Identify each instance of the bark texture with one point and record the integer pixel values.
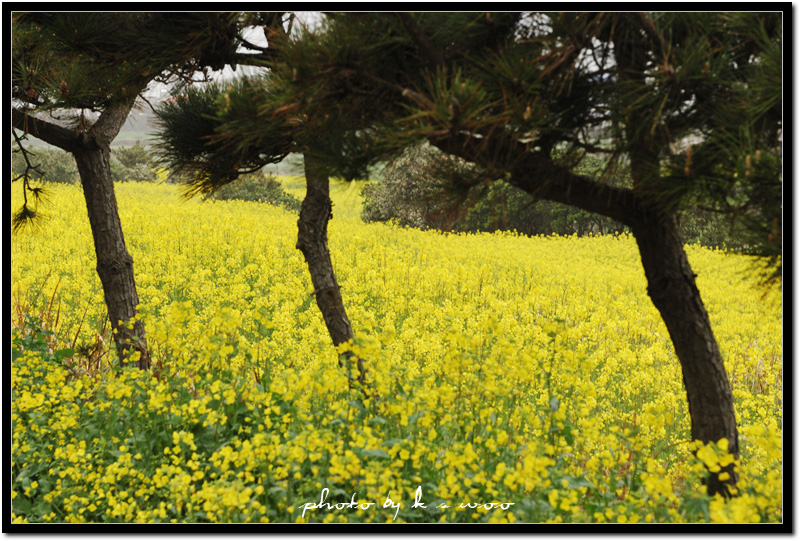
(672, 288)
(92, 153)
(312, 240)
(671, 283)
(114, 263)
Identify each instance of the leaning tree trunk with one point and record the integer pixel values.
(312, 240)
(114, 263)
(671, 283)
(672, 288)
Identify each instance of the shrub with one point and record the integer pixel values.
(709, 229)
(55, 164)
(414, 191)
(426, 189)
(133, 156)
(132, 163)
(258, 187)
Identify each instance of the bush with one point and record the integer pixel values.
(132, 163)
(55, 164)
(709, 229)
(258, 187)
(425, 189)
(134, 156)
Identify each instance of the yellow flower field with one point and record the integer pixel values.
(511, 378)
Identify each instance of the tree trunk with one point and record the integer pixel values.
(312, 240)
(671, 283)
(672, 288)
(114, 263)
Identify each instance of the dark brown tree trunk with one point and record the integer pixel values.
(92, 152)
(671, 283)
(312, 240)
(672, 288)
(670, 279)
(114, 263)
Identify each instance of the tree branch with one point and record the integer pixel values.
(111, 121)
(253, 46)
(590, 147)
(539, 176)
(101, 133)
(419, 37)
(244, 59)
(26, 154)
(536, 174)
(291, 23)
(651, 31)
(49, 132)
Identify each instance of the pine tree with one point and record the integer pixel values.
(213, 135)
(76, 77)
(690, 102)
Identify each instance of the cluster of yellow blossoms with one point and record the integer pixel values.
(510, 378)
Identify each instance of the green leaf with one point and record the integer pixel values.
(379, 453)
(391, 443)
(578, 482)
(21, 505)
(357, 404)
(567, 433)
(696, 506)
(62, 354)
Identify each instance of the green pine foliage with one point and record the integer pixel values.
(194, 130)
(695, 97)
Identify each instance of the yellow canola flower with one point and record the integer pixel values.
(497, 374)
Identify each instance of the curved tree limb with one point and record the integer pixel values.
(49, 132)
(536, 174)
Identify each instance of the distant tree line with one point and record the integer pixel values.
(55, 165)
(416, 191)
(138, 163)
